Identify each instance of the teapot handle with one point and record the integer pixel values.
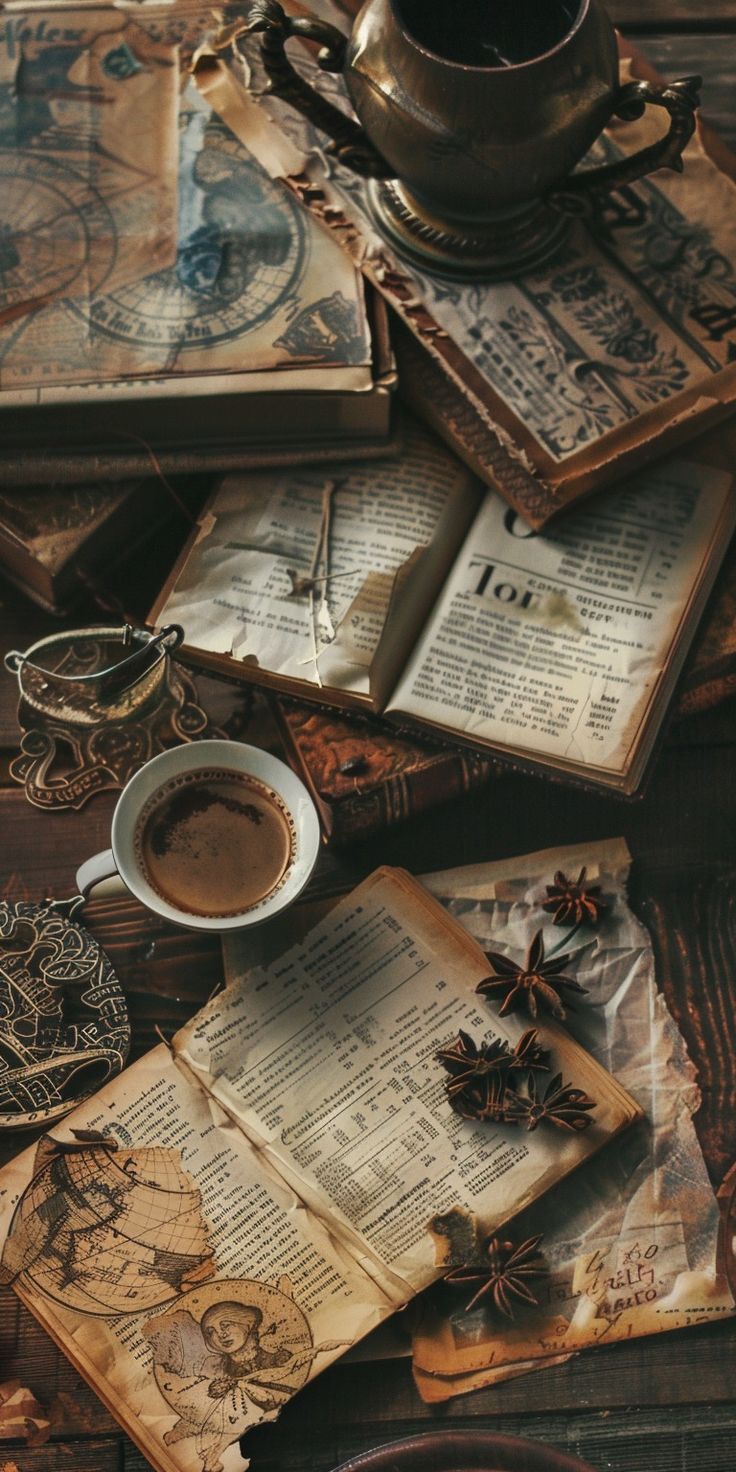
(583, 192)
(350, 144)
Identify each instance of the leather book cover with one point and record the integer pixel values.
(710, 674)
(364, 776)
(56, 539)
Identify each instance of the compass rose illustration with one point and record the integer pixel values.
(57, 234)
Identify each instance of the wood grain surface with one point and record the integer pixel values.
(662, 1405)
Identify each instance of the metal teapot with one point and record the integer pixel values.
(472, 118)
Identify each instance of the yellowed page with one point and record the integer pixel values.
(354, 530)
(554, 644)
(146, 239)
(187, 1284)
(327, 1060)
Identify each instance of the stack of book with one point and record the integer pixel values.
(435, 618)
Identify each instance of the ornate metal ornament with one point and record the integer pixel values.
(64, 1028)
(95, 705)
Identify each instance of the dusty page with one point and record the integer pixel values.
(553, 644)
(630, 1241)
(174, 251)
(185, 1282)
(327, 1060)
(295, 571)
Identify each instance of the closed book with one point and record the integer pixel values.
(55, 540)
(161, 296)
(365, 776)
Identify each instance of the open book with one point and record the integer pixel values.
(259, 1200)
(408, 589)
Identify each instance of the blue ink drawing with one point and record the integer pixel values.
(241, 255)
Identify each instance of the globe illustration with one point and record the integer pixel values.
(108, 1231)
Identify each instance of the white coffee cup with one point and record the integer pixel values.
(123, 859)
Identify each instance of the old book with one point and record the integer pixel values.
(562, 381)
(364, 775)
(55, 539)
(255, 1202)
(162, 294)
(408, 589)
(710, 674)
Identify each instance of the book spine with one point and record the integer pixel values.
(406, 794)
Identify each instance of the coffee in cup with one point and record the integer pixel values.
(215, 842)
(214, 835)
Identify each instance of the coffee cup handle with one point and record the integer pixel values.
(584, 192)
(100, 869)
(349, 144)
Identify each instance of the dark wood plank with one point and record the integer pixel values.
(692, 919)
(712, 56)
(100, 1455)
(645, 1373)
(627, 1441)
(671, 15)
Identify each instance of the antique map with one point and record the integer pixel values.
(139, 236)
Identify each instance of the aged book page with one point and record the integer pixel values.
(324, 577)
(326, 1059)
(87, 154)
(184, 1280)
(554, 645)
(631, 1242)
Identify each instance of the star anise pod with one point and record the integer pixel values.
(561, 1104)
(571, 901)
(503, 1276)
(536, 981)
(478, 1084)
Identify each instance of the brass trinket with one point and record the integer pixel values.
(95, 705)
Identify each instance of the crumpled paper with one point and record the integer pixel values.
(631, 1240)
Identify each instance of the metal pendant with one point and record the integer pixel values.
(92, 712)
(64, 1028)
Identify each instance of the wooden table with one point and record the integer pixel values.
(667, 1404)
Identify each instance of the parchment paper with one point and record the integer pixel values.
(631, 1240)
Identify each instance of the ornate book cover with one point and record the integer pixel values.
(562, 381)
(364, 776)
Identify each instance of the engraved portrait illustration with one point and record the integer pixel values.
(230, 1354)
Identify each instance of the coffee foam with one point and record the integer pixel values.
(190, 832)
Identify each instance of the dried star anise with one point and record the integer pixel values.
(503, 1275)
(478, 1086)
(561, 1104)
(571, 901)
(537, 980)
